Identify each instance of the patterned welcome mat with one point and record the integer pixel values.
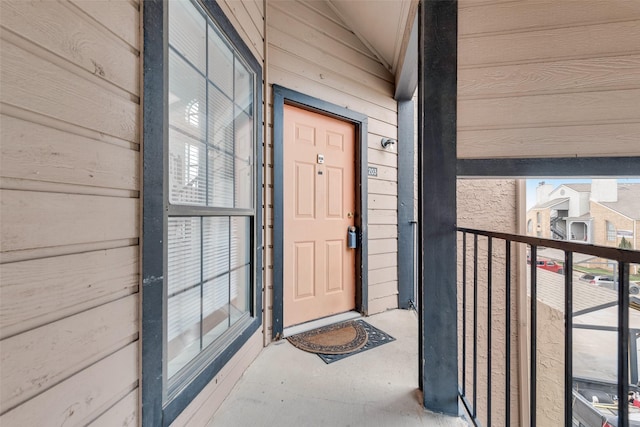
(335, 342)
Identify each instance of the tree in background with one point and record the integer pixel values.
(625, 244)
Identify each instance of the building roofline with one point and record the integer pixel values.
(548, 204)
(613, 210)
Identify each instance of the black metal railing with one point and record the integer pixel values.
(627, 357)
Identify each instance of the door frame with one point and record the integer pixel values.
(282, 96)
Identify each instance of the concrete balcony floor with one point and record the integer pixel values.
(286, 386)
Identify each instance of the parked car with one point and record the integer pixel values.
(608, 282)
(550, 265)
(598, 280)
(595, 404)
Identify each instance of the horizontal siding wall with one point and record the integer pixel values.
(547, 78)
(247, 17)
(69, 201)
(310, 50)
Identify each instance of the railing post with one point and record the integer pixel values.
(568, 337)
(633, 355)
(533, 336)
(464, 315)
(489, 341)
(507, 333)
(475, 326)
(437, 89)
(623, 344)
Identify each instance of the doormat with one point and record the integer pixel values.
(335, 342)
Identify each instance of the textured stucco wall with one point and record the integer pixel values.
(549, 365)
(489, 204)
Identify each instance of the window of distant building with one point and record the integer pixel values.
(611, 232)
(530, 226)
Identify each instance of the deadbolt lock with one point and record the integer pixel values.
(349, 214)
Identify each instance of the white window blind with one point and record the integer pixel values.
(211, 143)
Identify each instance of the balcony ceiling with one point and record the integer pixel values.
(384, 26)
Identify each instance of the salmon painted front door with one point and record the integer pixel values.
(319, 206)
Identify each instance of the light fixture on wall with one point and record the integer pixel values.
(387, 142)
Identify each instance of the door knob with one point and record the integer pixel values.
(349, 214)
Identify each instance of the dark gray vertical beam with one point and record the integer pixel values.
(153, 207)
(362, 219)
(278, 213)
(437, 77)
(406, 169)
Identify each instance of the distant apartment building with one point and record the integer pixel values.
(601, 213)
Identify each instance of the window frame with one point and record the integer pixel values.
(156, 411)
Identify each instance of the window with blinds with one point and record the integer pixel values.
(211, 196)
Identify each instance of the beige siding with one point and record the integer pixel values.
(69, 201)
(53, 288)
(310, 50)
(91, 47)
(66, 346)
(78, 219)
(77, 159)
(544, 78)
(83, 397)
(247, 18)
(124, 413)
